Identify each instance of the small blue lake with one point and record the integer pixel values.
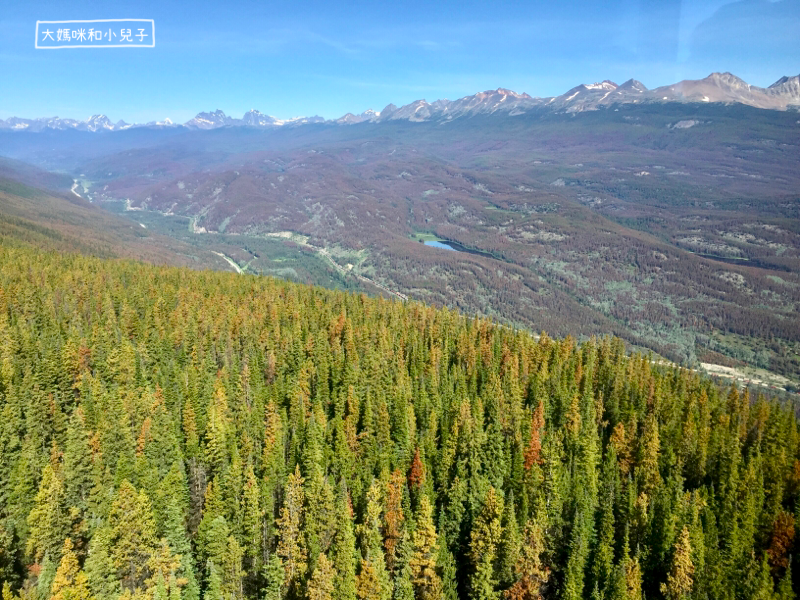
(455, 246)
(438, 244)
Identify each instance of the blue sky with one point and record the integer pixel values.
(294, 58)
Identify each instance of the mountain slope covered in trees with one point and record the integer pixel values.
(32, 216)
(674, 226)
(167, 433)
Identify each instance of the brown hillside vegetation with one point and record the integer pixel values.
(65, 222)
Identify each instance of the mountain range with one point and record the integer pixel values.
(716, 88)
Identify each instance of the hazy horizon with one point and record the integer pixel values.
(314, 59)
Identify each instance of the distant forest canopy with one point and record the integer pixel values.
(169, 434)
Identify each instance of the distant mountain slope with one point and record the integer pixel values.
(725, 87)
(717, 87)
(67, 223)
(660, 222)
(671, 224)
(33, 176)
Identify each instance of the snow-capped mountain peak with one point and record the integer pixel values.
(606, 86)
(632, 85)
(717, 87)
(787, 87)
(97, 122)
(255, 118)
(210, 120)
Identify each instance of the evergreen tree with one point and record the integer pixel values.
(486, 536)
(252, 519)
(424, 576)
(681, 576)
(394, 516)
(99, 566)
(70, 582)
(785, 591)
(510, 544)
(372, 582)
(49, 519)
(447, 567)
(291, 545)
(531, 573)
(321, 584)
(273, 578)
(343, 550)
(216, 590)
(132, 537)
(78, 467)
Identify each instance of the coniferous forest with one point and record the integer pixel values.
(169, 434)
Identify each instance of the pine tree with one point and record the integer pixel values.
(785, 591)
(510, 544)
(215, 543)
(603, 563)
(100, 567)
(218, 429)
(370, 585)
(447, 567)
(372, 582)
(343, 550)
(533, 453)
(403, 588)
(189, 424)
(7, 593)
(160, 590)
(426, 581)
(44, 582)
(233, 573)
(681, 576)
(175, 592)
(394, 516)
(70, 582)
(633, 578)
(648, 468)
(321, 584)
(49, 519)
(530, 570)
(273, 573)
(291, 544)
(133, 537)
(171, 508)
(252, 518)
(215, 590)
(782, 538)
(486, 536)
(759, 585)
(416, 474)
(78, 468)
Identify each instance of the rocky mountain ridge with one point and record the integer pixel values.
(717, 88)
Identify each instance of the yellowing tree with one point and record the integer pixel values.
(531, 573)
(320, 586)
(681, 577)
(427, 583)
(486, 534)
(133, 537)
(291, 545)
(70, 582)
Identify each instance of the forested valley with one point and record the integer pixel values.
(172, 434)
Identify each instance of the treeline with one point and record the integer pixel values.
(172, 434)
